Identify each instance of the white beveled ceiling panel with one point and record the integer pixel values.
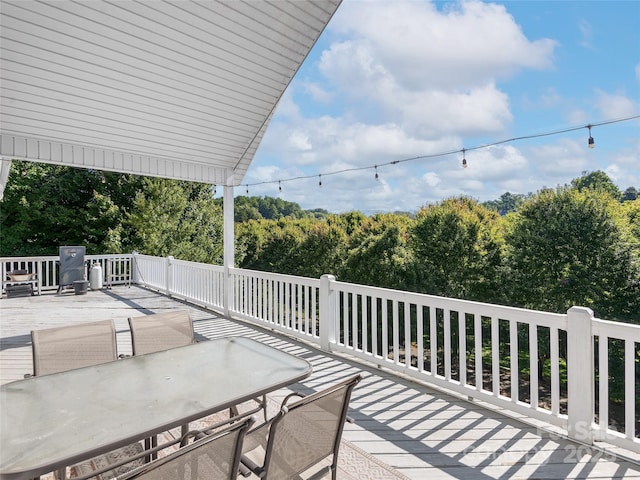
(180, 89)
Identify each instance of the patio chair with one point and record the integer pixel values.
(68, 347)
(301, 435)
(213, 457)
(161, 331)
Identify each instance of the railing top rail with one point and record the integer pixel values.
(557, 320)
(628, 331)
(195, 264)
(280, 276)
(56, 257)
(29, 259)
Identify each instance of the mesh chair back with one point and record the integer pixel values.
(308, 431)
(215, 457)
(73, 346)
(161, 331)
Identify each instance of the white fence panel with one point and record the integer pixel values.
(282, 302)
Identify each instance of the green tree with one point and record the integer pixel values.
(573, 246)
(507, 203)
(305, 247)
(46, 206)
(597, 180)
(177, 218)
(457, 247)
(630, 194)
(379, 253)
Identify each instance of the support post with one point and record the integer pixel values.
(580, 374)
(327, 319)
(229, 248)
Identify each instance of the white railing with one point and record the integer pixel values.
(612, 338)
(116, 269)
(546, 366)
(533, 363)
(478, 350)
(282, 302)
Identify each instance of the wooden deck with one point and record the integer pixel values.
(422, 432)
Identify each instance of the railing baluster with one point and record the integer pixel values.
(477, 348)
(420, 336)
(407, 334)
(385, 329)
(603, 387)
(495, 356)
(365, 324)
(533, 365)
(433, 341)
(555, 371)
(513, 357)
(447, 344)
(396, 332)
(630, 389)
(462, 348)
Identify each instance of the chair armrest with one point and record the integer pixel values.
(291, 395)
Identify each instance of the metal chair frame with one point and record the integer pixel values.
(68, 347)
(271, 428)
(161, 331)
(200, 446)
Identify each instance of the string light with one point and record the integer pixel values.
(247, 189)
(214, 188)
(320, 180)
(463, 151)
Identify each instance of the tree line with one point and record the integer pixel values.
(577, 244)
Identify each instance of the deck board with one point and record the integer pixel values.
(421, 431)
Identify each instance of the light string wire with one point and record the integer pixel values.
(435, 155)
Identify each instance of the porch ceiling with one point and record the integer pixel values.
(177, 89)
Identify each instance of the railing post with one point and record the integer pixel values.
(169, 286)
(580, 374)
(133, 268)
(327, 327)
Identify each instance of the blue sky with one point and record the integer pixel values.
(391, 81)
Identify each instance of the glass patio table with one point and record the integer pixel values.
(53, 421)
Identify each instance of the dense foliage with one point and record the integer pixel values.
(575, 245)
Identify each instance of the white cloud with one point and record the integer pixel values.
(317, 92)
(431, 71)
(614, 106)
(402, 80)
(469, 44)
